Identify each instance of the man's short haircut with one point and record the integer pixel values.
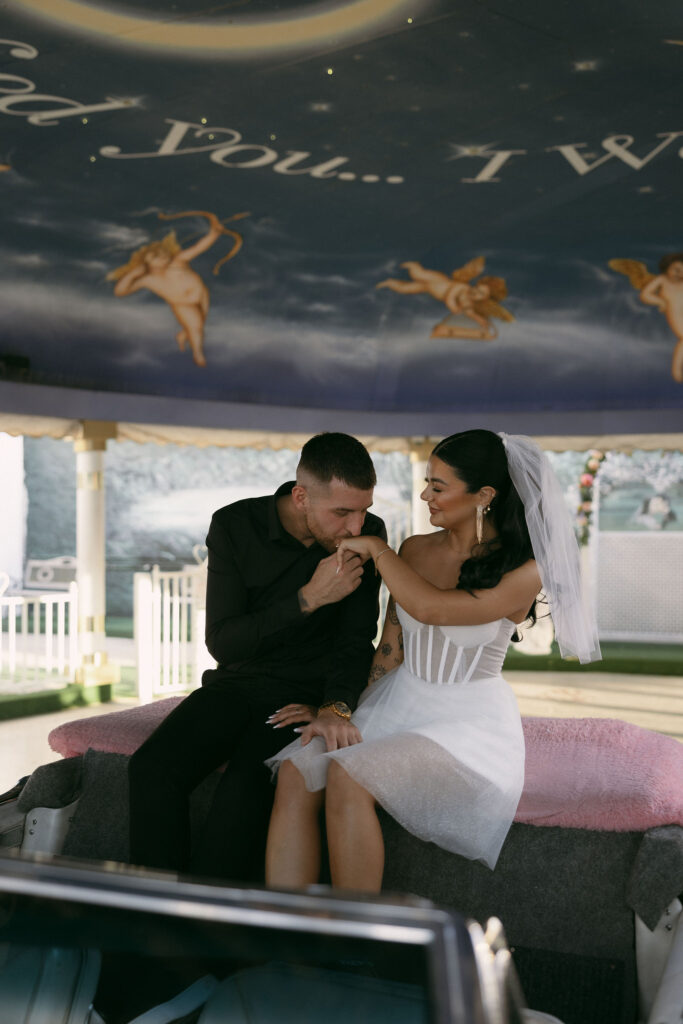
(331, 456)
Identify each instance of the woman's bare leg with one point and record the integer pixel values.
(293, 850)
(354, 836)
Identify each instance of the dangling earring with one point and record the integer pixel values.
(481, 512)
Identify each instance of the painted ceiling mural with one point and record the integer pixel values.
(394, 206)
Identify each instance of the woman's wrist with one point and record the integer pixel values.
(376, 557)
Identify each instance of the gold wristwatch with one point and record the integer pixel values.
(339, 707)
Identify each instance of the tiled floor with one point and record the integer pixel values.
(653, 702)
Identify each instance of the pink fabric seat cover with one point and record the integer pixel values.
(590, 773)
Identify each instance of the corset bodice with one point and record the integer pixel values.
(454, 654)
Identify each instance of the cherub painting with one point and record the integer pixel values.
(663, 290)
(163, 267)
(463, 297)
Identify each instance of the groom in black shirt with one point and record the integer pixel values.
(293, 641)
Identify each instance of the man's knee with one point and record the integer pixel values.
(153, 765)
(142, 765)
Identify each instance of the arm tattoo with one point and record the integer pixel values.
(303, 603)
(400, 641)
(386, 650)
(376, 672)
(391, 613)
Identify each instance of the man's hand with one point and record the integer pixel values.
(334, 730)
(364, 547)
(327, 585)
(290, 714)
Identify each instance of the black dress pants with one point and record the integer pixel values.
(221, 721)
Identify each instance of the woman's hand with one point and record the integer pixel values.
(366, 547)
(290, 714)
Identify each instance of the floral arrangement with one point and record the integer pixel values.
(586, 481)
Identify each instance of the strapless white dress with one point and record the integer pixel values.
(443, 747)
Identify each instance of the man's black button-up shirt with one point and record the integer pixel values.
(255, 628)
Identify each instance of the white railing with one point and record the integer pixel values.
(38, 638)
(168, 626)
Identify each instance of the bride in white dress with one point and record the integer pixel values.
(438, 740)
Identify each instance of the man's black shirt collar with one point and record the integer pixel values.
(276, 531)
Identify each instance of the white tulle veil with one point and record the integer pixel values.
(555, 547)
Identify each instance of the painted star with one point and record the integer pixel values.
(458, 151)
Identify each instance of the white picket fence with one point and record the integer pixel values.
(38, 638)
(168, 625)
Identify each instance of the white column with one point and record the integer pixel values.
(91, 554)
(419, 454)
(13, 510)
(590, 557)
(145, 636)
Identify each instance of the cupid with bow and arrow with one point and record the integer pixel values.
(163, 267)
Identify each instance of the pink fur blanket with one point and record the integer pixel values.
(590, 773)
(600, 773)
(119, 732)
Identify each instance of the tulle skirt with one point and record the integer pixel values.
(446, 761)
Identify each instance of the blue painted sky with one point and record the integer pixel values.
(405, 134)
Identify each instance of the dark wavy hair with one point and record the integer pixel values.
(477, 457)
